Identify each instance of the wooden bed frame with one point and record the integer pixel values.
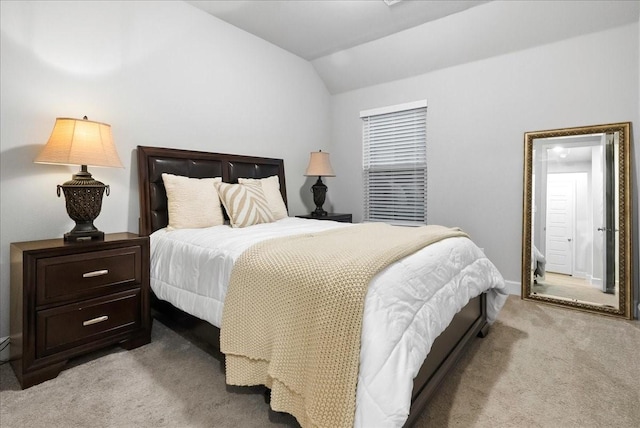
(153, 161)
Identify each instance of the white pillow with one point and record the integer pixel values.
(271, 189)
(192, 202)
(245, 204)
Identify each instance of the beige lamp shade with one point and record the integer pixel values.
(319, 165)
(80, 142)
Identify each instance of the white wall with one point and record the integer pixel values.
(162, 74)
(477, 116)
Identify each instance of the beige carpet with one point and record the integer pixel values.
(540, 366)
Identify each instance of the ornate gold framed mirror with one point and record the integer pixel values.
(576, 228)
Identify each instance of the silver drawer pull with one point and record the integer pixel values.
(95, 273)
(95, 320)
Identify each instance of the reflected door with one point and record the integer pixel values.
(559, 236)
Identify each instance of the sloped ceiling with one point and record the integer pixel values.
(355, 44)
(314, 28)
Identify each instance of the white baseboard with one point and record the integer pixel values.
(594, 282)
(513, 287)
(4, 354)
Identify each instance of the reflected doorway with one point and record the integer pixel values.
(572, 226)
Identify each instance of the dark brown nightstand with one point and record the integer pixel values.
(343, 218)
(71, 298)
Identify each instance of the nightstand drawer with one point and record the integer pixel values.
(79, 323)
(85, 275)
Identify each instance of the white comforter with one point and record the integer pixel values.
(407, 305)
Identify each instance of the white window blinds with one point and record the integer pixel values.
(395, 164)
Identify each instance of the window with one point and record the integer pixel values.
(395, 164)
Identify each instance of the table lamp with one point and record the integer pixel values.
(319, 166)
(81, 142)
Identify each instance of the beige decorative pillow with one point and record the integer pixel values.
(192, 202)
(271, 189)
(245, 204)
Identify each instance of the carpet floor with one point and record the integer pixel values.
(540, 366)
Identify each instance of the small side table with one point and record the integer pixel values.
(343, 218)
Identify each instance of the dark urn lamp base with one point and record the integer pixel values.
(83, 196)
(319, 194)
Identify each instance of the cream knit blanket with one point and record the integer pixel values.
(292, 317)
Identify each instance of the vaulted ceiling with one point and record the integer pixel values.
(358, 43)
(313, 29)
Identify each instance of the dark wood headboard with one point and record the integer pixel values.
(153, 161)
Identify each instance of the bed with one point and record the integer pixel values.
(466, 322)
(538, 263)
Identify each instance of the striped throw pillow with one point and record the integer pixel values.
(246, 204)
(271, 189)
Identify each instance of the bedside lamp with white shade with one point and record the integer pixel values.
(81, 142)
(320, 166)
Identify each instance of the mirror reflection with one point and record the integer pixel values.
(575, 186)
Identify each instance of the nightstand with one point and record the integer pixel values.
(343, 218)
(71, 298)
